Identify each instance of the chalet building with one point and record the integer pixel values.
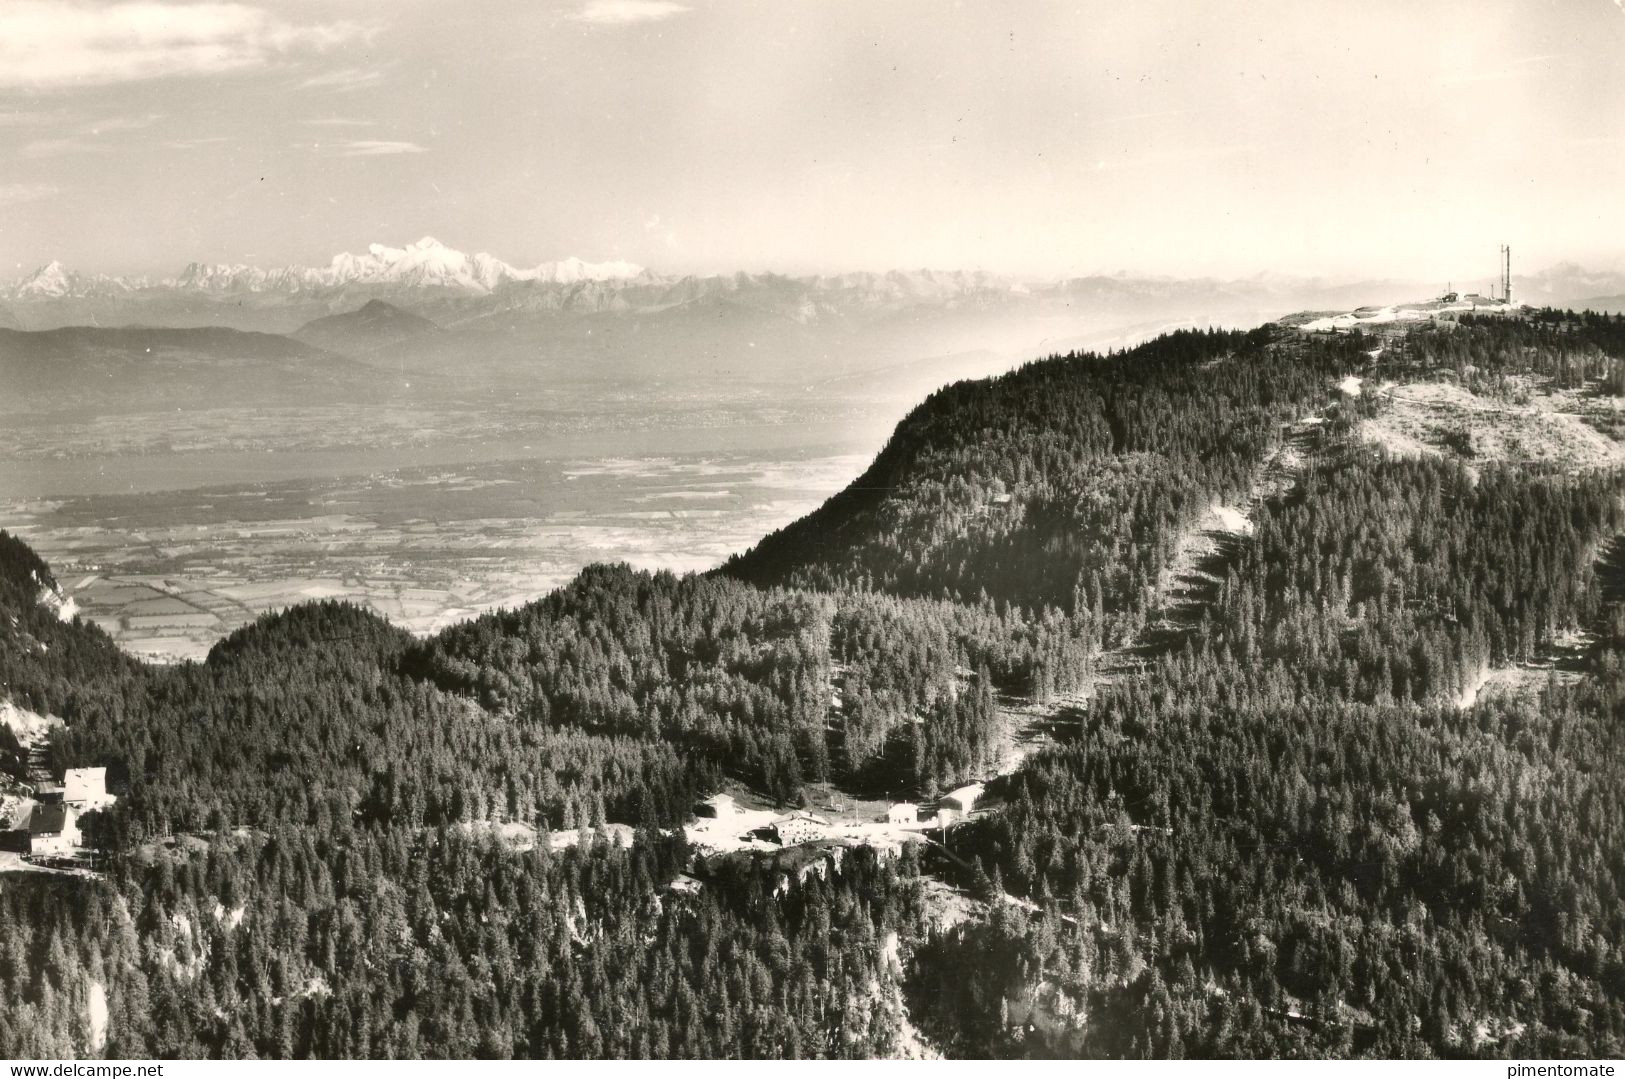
(53, 830)
(799, 828)
(903, 813)
(965, 798)
(719, 806)
(683, 884)
(86, 789)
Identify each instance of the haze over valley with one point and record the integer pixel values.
(434, 434)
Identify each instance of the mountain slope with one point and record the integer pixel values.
(1059, 484)
(133, 368)
(376, 324)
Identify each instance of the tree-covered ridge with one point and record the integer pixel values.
(1571, 348)
(1062, 484)
(48, 665)
(747, 679)
(623, 697)
(738, 673)
(307, 716)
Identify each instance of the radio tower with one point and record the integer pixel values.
(1506, 274)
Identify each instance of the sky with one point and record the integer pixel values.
(1205, 137)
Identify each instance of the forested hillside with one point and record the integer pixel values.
(1062, 484)
(1287, 836)
(1287, 819)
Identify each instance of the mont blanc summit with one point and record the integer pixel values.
(430, 263)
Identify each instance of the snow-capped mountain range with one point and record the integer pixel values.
(428, 263)
(54, 281)
(455, 289)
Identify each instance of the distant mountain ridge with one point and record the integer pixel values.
(451, 287)
(375, 324)
(428, 263)
(138, 368)
(899, 333)
(54, 281)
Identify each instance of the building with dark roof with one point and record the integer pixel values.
(53, 829)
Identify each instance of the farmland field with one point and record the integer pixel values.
(170, 547)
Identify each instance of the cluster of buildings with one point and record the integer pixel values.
(805, 826)
(801, 826)
(53, 825)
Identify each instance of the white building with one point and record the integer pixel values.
(685, 885)
(800, 828)
(53, 829)
(86, 789)
(718, 805)
(903, 813)
(965, 798)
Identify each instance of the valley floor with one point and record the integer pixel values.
(168, 574)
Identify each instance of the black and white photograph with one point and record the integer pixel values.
(885, 530)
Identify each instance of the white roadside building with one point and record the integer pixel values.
(53, 830)
(964, 799)
(86, 789)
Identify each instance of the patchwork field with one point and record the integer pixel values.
(169, 573)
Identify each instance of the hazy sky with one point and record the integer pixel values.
(1402, 139)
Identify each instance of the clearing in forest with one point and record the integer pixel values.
(1532, 423)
